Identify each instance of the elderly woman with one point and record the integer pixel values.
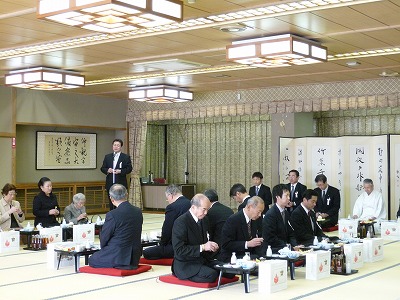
(45, 205)
(76, 212)
(11, 214)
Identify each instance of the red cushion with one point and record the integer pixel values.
(299, 263)
(113, 271)
(174, 280)
(329, 229)
(160, 262)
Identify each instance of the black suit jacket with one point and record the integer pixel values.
(172, 212)
(329, 205)
(264, 193)
(244, 203)
(235, 234)
(303, 229)
(276, 233)
(297, 194)
(398, 212)
(120, 239)
(217, 216)
(124, 164)
(186, 240)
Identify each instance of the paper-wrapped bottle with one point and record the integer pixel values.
(98, 221)
(63, 224)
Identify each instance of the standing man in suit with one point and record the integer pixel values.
(296, 190)
(239, 233)
(239, 193)
(304, 222)
(178, 205)
(328, 203)
(261, 190)
(120, 237)
(217, 216)
(192, 249)
(116, 166)
(277, 232)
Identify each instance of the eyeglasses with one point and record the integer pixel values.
(12, 194)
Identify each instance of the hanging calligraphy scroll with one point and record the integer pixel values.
(65, 150)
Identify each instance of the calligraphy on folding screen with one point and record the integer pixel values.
(346, 161)
(65, 150)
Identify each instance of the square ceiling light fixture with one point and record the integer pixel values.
(276, 51)
(42, 78)
(160, 94)
(111, 16)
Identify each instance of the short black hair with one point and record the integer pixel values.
(118, 140)
(211, 195)
(237, 187)
(295, 171)
(257, 174)
(320, 177)
(368, 181)
(309, 193)
(42, 181)
(278, 190)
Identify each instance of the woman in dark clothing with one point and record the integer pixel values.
(45, 205)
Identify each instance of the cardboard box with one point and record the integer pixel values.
(318, 265)
(83, 233)
(52, 257)
(373, 249)
(53, 233)
(347, 228)
(272, 276)
(355, 255)
(390, 230)
(9, 241)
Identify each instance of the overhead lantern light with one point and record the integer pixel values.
(276, 51)
(111, 16)
(160, 94)
(42, 78)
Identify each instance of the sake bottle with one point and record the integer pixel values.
(269, 251)
(315, 242)
(233, 258)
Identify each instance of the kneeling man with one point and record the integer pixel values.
(192, 249)
(120, 237)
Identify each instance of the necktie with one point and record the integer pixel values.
(249, 229)
(292, 193)
(257, 189)
(323, 196)
(311, 220)
(283, 216)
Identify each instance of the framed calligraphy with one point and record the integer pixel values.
(65, 150)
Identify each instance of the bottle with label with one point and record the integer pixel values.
(343, 255)
(233, 258)
(315, 242)
(269, 251)
(368, 235)
(246, 256)
(339, 264)
(333, 264)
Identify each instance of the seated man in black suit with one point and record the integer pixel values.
(261, 190)
(328, 203)
(304, 222)
(239, 193)
(178, 205)
(217, 216)
(192, 249)
(296, 190)
(277, 232)
(120, 237)
(239, 233)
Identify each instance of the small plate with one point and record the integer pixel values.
(275, 255)
(282, 256)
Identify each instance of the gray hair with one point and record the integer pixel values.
(173, 190)
(254, 201)
(118, 192)
(196, 200)
(79, 198)
(368, 181)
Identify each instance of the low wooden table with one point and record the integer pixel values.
(245, 274)
(28, 235)
(76, 255)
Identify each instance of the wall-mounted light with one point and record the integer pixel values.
(160, 94)
(111, 16)
(276, 51)
(42, 78)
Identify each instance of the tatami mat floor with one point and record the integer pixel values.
(24, 275)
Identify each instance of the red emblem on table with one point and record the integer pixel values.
(51, 239)
(387, 232)
(84, 234)
(276, 278)
(321, 267)
(344, 229)
(7, 243)
(355, 258)
(376, 251)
